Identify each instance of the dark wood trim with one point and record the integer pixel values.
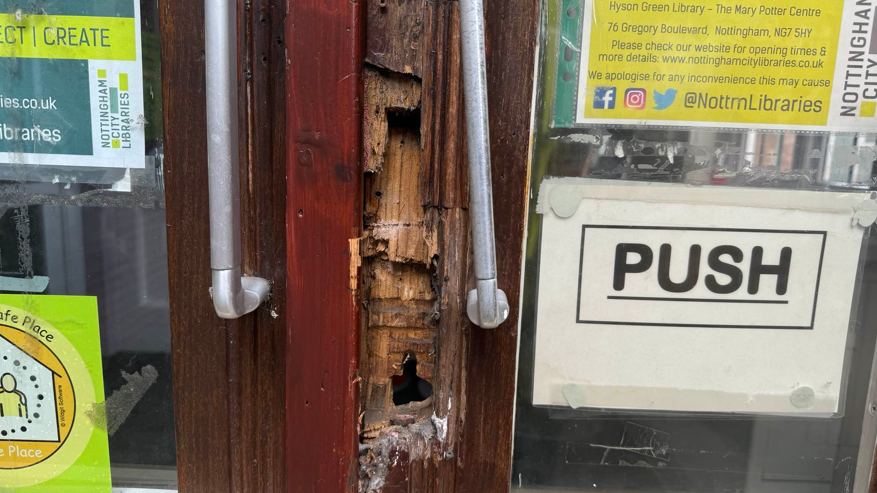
(325, 49)
(228, 375)
(263, 180)
(485, 454)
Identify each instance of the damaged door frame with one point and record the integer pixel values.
(417, 268)
(379, 250)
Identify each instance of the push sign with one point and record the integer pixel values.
(748, 278)
(698, 299)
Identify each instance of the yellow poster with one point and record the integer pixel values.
(51, 388)
(807, 64)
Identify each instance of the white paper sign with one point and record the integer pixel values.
(712, 299)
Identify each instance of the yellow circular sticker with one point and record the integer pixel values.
(45, 389)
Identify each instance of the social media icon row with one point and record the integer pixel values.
(634, 98)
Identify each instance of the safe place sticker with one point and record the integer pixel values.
(775, 64)
(71, 90)
(51, 383)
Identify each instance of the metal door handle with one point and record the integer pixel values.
(233, 295)
(487, 305)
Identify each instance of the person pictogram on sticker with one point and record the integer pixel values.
(13, 403)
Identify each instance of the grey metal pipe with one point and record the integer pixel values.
(233, 295)
(487, 305)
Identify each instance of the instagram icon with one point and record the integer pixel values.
(635, 99)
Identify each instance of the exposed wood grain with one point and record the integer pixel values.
(325, 42)
(393, 213)
(475, 370)
(450, 395)
(394, 33)
(384, 93)
(399, 281)
(445, 181)
(228, 376)
(398, 274)
(443, 194)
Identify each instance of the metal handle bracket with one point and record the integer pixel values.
(233, 295)
(487, 305)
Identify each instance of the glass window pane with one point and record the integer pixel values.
(82, 215)
(657, 354)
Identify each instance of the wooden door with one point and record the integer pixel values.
(355, 193)
(228, 375)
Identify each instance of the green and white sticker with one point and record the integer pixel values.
(71, 93)
(53, 436)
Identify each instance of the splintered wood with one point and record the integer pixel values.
(397, 249)
(415, 247)
(384, 94)
(394, 217)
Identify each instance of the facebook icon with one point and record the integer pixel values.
(604, 98)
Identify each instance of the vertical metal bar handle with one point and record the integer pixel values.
(233, 295)
(487, 305)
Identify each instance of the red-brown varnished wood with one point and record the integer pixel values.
(324, 42)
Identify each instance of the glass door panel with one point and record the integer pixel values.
(83, 250)
(645, 365)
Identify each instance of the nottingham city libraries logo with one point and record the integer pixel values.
(114, 120)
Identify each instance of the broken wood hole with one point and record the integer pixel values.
(408, 387)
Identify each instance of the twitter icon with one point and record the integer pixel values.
(665, 100)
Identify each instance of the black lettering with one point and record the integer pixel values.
(715, 262)
(664, 270)
(622, 268)
(757, 269)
